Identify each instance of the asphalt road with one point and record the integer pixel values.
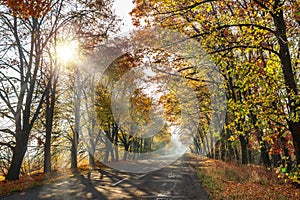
(177, 181)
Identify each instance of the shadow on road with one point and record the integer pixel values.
(176, 181)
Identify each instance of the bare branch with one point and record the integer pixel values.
(7, 131)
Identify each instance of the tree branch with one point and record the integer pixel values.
(6, 130)
(244, 46)
(8, 144)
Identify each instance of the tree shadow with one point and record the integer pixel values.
(116, 181)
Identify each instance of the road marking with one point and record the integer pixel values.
(141, 176)
(119, 182)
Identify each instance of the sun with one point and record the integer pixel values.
(67, 51)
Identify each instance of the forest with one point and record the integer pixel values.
(218, 79)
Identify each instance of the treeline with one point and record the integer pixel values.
(39, 116)
(56, 110)
(56, 113)
(256, 45)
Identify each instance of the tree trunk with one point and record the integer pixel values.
(91, 117)
(250, 157)
(74, 155)
(276, 159)
(287, 160)
(264, 151)
(126, 143)
(18, 156)
(74, 146)
(47, 151)
(77, 104)
(50, 104)
(115, 130)
(126, 147)
(230, 155)
(223, 150)
(264, 155)
(25, 114)
(92, 149)
(236, 153)
(243, 142)
(289, 79)
(92, 160)
(108, 146)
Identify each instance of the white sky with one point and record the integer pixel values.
(122, 8)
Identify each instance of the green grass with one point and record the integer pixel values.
(209, 183)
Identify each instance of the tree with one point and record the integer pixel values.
(231, 30)
(22, 101)
(52, 76)
(27, 29)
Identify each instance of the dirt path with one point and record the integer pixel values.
(177, 181)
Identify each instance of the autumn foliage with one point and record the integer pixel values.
(28, 8)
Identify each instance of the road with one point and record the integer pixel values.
(177, 181)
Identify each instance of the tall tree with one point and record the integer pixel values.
(27, 27)
(237, 27)
(22, 29)
(50, 104)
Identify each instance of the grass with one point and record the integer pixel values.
(229, 181)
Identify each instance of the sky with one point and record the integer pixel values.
(122, 8)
